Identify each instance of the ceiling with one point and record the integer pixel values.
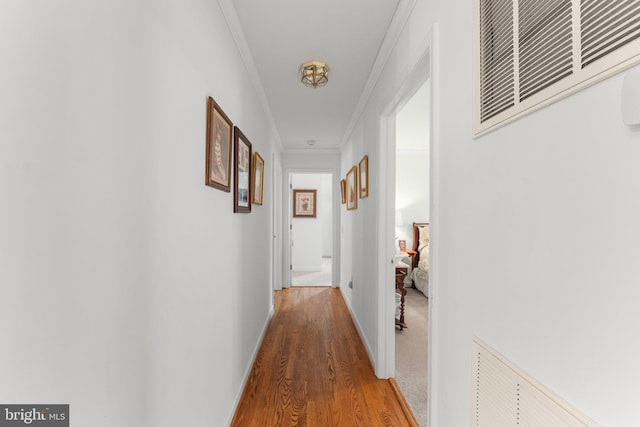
(279, 35)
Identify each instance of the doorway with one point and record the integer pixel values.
(412, 207)
(423, 72)
(311, 229)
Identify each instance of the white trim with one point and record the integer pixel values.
(247, 371)
(276, 221)
(233, 22)
(363, 337)
(417, 76)
(335, 218)
(424, 71)
(398, 22)
(310, 151)
(433, 373)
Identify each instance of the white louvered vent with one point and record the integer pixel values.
(504, 396)
(530, 53)
(606, 26)
(496, 56)
(545, 44)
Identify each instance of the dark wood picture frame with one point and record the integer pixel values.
(304, 203)
(343, 191)
(218, 151)
(364, 177)
(242, 173)
(352, 189)
(258, 178)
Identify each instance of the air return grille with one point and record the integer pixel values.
(606, 26)
(496, 56)
(545, 44)
(504, 396)
(530, 53)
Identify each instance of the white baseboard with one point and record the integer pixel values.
(247, 372)
(359, 329)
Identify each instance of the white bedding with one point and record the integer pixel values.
(420, 275)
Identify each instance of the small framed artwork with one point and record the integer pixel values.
(364, 177)
(258, 178)
(343, 191)
(352, 188)
(242, 173)
(219, 135)
(304, 203)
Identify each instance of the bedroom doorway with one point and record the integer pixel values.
(311, 229)
(412, 208)
(391, 224)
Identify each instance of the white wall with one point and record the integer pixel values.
(536, 248)
(124, 278)
(412, 163)
(72, 125)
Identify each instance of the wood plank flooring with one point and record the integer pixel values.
(313, 370)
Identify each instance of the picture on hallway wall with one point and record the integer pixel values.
(218, 152)
(304, 203)
(343, 191)
(258, 178)
(352, 188)
(242, 173)
(364, 177)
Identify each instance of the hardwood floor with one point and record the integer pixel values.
(313, 370)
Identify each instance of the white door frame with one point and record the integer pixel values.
(424, 70)
(335, 218)
(276, 244)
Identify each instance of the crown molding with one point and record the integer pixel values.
(398, 22)
(311, 151)
(233, 22)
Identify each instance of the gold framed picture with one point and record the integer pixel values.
(304, 203)
(219, 136)
(242, 173)
(352, 188)
(343, 191)
(258, 178)
(364, 177)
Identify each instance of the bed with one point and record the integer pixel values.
(420, 262)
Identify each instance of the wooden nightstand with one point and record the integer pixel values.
(401, 273)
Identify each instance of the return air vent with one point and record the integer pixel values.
(530, 53)
(606, 26)
(545, 44)
(496, 57)
(504, 396)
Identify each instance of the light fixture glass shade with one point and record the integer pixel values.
(314, 74)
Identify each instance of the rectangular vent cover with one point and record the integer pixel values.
(529, 53)
(504, 396)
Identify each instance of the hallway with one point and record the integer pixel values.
(313, 370)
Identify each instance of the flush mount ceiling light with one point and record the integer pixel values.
(314, 74)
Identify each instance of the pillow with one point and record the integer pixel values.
(423, 237)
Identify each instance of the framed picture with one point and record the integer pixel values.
(219, 135)
(304, 203)
(364, 177)
(352, 187)
(242, 173)
(258, 178)
(343, 191)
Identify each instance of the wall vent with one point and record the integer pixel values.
(530, 53)
(504, 396)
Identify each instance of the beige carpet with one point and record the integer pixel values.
(411, 354)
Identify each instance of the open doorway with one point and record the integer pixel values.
(412, 248)
(311, 229)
